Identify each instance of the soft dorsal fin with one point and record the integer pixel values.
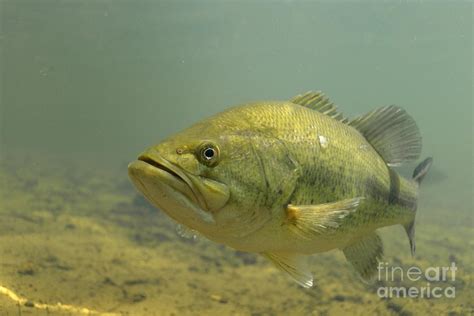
(392, 132)
(319, 102)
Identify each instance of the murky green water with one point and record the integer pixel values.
(87, 85)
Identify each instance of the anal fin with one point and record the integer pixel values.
(294, 265)
(364, 255)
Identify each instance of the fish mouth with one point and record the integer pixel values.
(160, 180)
(174, 176)
(161, 166)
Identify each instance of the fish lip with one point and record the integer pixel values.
(161, 163)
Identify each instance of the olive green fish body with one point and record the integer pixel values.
(289, 178)
(329, 161)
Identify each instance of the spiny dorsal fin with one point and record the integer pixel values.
(392, 132)
(319, 102)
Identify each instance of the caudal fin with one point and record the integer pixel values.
(418, 175)
(422, 169)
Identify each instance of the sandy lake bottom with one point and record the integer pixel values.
(82, 237)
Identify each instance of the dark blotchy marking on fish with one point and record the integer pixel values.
(263, 172)
(393, 196)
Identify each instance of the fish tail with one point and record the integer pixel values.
(422, 170)
(418, 175)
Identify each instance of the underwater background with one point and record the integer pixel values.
(86, 86)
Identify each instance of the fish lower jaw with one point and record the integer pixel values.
(172, 196)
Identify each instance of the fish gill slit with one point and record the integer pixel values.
(262, 171)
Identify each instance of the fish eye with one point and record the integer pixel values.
(209, 154)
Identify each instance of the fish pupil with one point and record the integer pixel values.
(209, 153)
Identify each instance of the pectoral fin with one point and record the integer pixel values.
(309, 221)
(294, 265)
(364, 255)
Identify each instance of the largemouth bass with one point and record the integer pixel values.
(288, 179)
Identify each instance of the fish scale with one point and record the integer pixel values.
(337, 172)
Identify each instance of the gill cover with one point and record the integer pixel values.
(214, 194)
